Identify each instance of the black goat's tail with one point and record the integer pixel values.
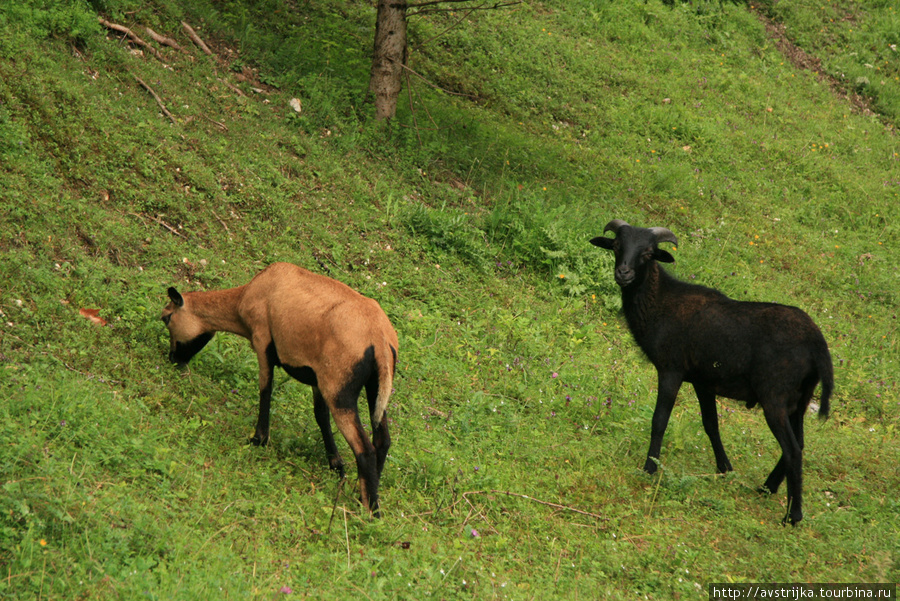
(826, 374)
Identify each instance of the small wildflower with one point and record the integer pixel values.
(554, 375)
(474, 533)
(286, 590)
(43, 543)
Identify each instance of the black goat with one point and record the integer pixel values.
(764, 353)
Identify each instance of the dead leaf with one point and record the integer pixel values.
(93, 315)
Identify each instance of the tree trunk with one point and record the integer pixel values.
(389, 57)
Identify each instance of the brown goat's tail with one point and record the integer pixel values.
(384, 362)
(826, 374)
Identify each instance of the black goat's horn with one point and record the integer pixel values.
(664, 235)
(613, 226)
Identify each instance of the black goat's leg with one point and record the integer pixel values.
(778, 472)
(775, 478)
(709, 413)
(669, 383)
(323, 418)
(791, 463)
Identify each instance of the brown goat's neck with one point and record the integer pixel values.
(219, 310)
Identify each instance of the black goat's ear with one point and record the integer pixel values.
(603, 242)
(176, 297)
(663, 256)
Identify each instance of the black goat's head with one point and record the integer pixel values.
(635, 248)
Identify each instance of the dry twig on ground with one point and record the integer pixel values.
(158, 99)
(196, 39)
(131, 35)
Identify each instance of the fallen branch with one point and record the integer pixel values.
(224, 128)
(547, 503)
(131, 35)
(161, 222)
(161, 39)
(232, 87)
(196, 39)
(158, 99)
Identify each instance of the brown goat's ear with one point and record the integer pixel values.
(663, 256)
(176, 297)
(603, 242)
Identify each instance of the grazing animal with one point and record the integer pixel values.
(321, 332)
(764, 353)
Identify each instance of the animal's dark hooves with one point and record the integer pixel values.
(338, 467)
(259, 442)
(764, 490)
(789, 520)
(650, 467)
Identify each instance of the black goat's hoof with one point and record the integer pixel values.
(764, 490)
(337, 466)
(651, 466)
(790, 520)
(259, 442)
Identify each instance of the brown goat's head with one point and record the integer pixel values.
(635, 248)
(187, 332)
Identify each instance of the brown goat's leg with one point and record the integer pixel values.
(348, 423)
(791, 459)
(266, 369)
(669, 383)
(323, 418)
(381, 437)
(709, 413)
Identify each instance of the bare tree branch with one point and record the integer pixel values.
(196, 38)
(161, 39)
(452, 26)
(431, 11)
(131, 35)
(437, 87)
(158, 100)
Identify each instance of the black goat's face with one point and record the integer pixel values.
(186, 332)
(635, 248)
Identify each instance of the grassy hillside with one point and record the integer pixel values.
(522, 406)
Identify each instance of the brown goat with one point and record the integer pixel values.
(321, 332)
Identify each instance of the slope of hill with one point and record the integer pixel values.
(522, 406)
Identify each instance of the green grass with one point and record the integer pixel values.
(522, 406)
